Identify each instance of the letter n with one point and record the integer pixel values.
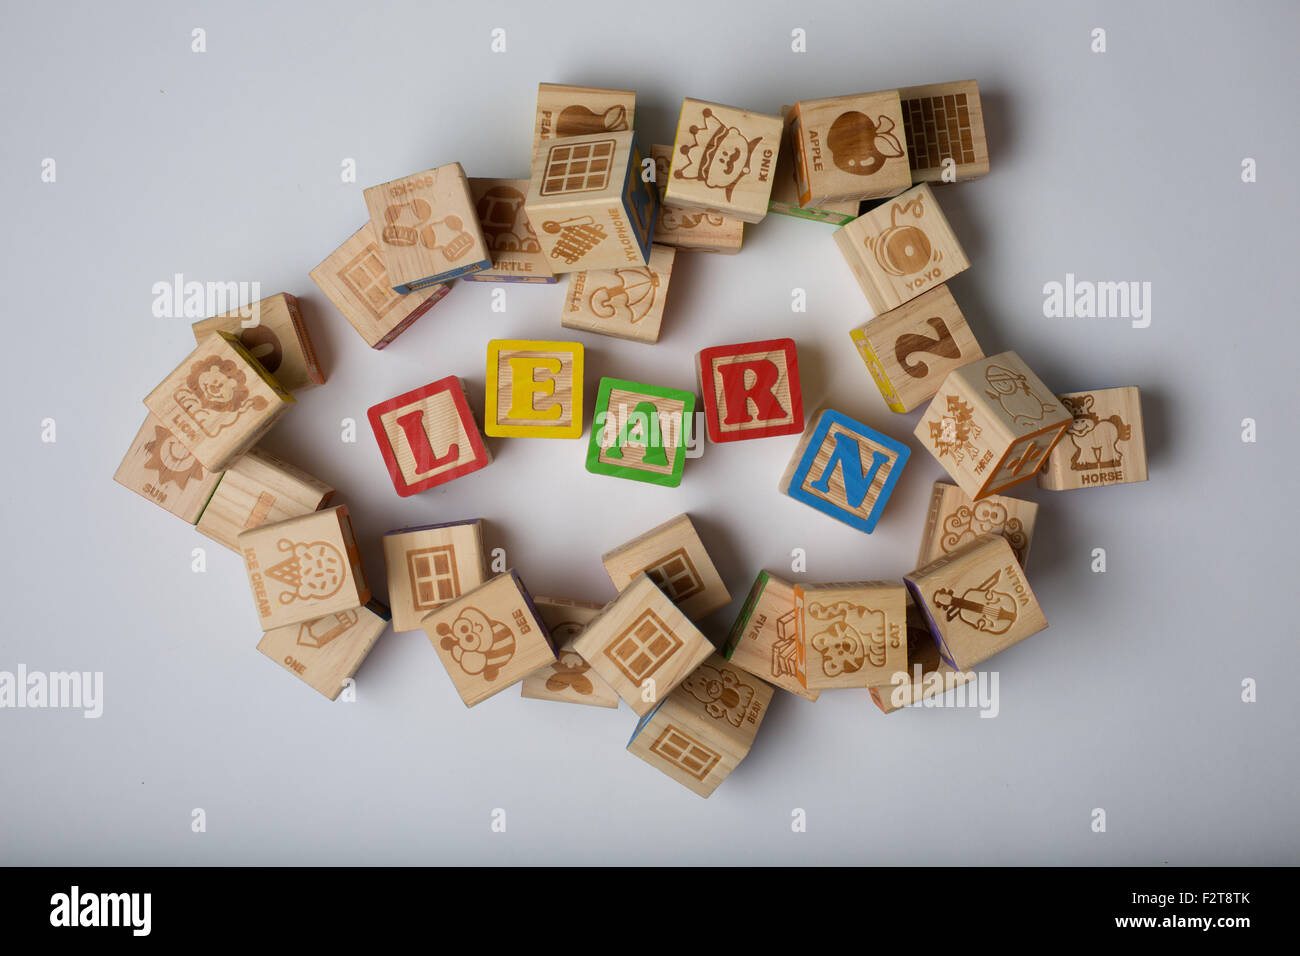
(847, 456)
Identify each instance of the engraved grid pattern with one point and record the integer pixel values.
(578, 167)
(641, 650)
(938, 127)
(368, 279)
(433, 576)
(681, 749)
(676, 576)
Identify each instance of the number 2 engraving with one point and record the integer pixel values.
(910, 343)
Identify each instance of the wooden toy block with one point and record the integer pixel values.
(534, 389)
(992, 424)
(327, 651)
(704, 728)
(1104, 445)
(724, 159)
(570, 680)
(844, 469)
(901, 248)
(429, 565)
(428, 436)
(589, 204)
(674, 558)
(273, 332)
(785, 189)
(304, 568)
(911, 349)
(516, 253)
(219, 402)
(627, 303)
(427, 227)
(928, 676)
(260, 489)
(581, 111)
(750, 390)
(639, 432)
(848, 148)
(692, 229)
(642, 645)
(159, 467)
(765, 636)
(490, 638)
(945, 132)
(977, 601)
(953, 521)
(353, 277)
(849, 635)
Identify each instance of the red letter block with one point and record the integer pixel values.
(751, 390)
(428, 436)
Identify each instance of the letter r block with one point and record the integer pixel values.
(534, 389)
(428, 436)
(751, 390)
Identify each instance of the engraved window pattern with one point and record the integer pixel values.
(368, 279)
(640, 650)
(938, 127)
(433, 576)
(578, 167)
(676, 576)
(685, 752)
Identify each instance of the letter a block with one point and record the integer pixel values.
(844, 469)
(534, 389)
(639, 432)
(428, 436)
(751, 390)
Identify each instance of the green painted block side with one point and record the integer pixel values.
(746, 612)
(677, 452)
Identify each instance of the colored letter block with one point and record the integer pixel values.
(639, 432)
(428, 436)
(489, 638)
(844, 469)
(692, 229)
(273, 332)
(675, 559)
(353, 277)
(945, 132)
(588, 203)
(977, 601)
(751, 390)
(724, 160)
(516, 253)
(705, 727)
(627, 303)
(911, 349)
(927, 675)
(785, 189)
(534, 389)
(427, 228)
(219, 402)
(570, 680)
(580, 111)
(1105, 443)
(304, 568)
(953, 521)
(327, 651)
(848, 148)
(260, 489)
(850, 635)
(159, 467)
(764, 640)
(992, 424)
(901, 248)
(428, 566)
(642, 645)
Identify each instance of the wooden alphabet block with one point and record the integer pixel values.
(693, 229)
(785, 189)
(304, 568)
(428, 436)
(219, 402)
(429, 565)
(764, 640)
(327, 651)
(159, 467)
(581, 111)
(570, 680)
(273, 332)
(945, 132)
(724, 159)
(427, 227)
(674, 558)
(353, 277)
(642, 645)
(639, 432)
(705, 727)
(911, 349)
(627, 303)
(953, 521)
(589, 204)
(516, 252)
(849, 148)
(901, 248)
(850, 635)
(260, 489)
(534, 389)
(928, 675)
(490, 638)
(750, 390)
(1104, 445)
(844, 469)
(992, 424)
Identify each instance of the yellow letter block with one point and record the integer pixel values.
(534, 389)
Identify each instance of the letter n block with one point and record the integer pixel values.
(428, 436)
(751, 390)
(844, 469)
(534, 389)
(639, 432)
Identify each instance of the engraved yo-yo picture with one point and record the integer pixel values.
(904, 248)
(861, 145)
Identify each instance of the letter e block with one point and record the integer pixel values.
(428, 436)
(534, 389)
(751, 390)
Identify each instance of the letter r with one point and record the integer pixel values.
(761, 391)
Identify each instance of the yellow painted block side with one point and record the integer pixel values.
(877, 371)
(506, 405)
